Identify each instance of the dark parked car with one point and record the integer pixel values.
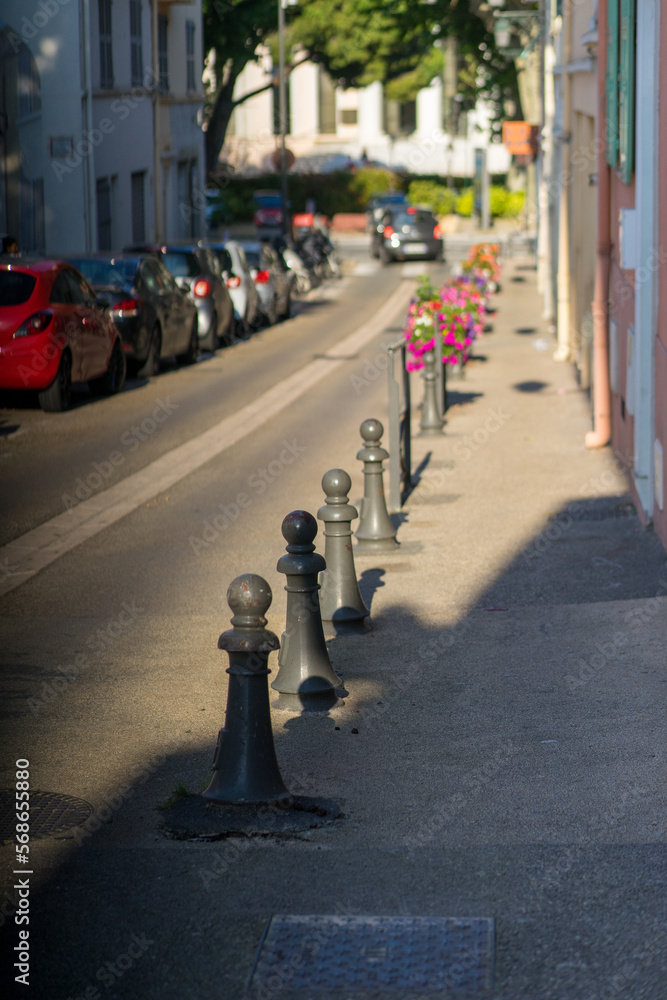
(407, 232)
(379, 203)
(155, 318)
(197, 271)
(54, 331)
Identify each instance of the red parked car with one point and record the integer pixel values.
(54, 332)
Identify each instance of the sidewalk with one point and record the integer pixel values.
(500, 755)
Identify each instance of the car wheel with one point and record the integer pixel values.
(243, 330)
(287, 311)
(272, 315)
(58, 396)
(385, 256)
(230, 336)
(212, 339)
(151, 365)
(113, 379)
(190, 355)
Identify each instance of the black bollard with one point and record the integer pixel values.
(375, 533)
(340, 599)
(431, 422)
(245, 769)
(306, 680)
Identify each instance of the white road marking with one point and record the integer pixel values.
(32, 552)
(365, 269)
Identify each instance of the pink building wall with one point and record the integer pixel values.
(660, 516)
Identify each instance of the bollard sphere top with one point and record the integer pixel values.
(336, 484)
(299, 528)
(249, 596)
(371, 430)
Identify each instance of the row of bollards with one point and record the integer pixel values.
(245, 768)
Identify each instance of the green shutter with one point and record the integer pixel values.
(627, 89)
(612, 83)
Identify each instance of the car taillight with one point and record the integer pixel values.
(233, 281)
(127, 307)
(437, 232)
(201, 288)
(262, 277)
(388, 231)
(37, 323)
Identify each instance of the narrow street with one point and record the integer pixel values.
(500, 753)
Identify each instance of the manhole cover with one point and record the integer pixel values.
(419, 954)
(50, 813)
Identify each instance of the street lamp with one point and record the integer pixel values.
(282, 105)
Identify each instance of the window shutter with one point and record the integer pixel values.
(627, 89)
(612, 83)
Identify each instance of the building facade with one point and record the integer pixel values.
(101, 140)
(611, 262)
(329, 125)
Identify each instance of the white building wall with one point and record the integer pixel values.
(55, 43)
(428, 150)
(71, 153)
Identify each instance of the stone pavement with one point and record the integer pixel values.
(500, 753)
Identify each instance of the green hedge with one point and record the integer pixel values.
(350, 191)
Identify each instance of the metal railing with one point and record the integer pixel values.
(400, 442)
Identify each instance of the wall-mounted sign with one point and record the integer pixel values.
(62, 146)
(520, 138)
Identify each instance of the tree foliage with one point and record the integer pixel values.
(357, 42)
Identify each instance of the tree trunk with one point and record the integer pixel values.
(218, 122)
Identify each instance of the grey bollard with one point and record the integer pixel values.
(431, 422)
(340, 599)
(375, 533)
(306, 680)
(245, 769)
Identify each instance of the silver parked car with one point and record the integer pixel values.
(197, 271)
(235, 270)
(272, 278)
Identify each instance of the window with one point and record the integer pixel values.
(136, 54)
(138, 209)
(149, 274)
(28, 83)
(60, 292)
(80, 291)
(348, 116)
(191, 82)
(103, 214)
(162, 53)
(106, 58)
(620, 86)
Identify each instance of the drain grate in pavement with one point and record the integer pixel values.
(595, 512)
(393, 954)
(50, 814)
